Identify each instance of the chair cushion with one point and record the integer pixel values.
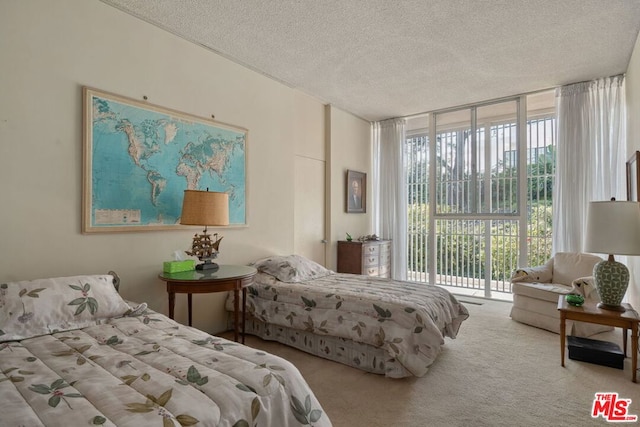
(568, 266)
(535, 305)
(544, 291)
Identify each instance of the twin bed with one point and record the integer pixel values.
(73, 352)
(383, 326)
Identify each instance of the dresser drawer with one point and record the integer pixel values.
(385, 251)
(371, 271)
(370, 249)
(370, 260)
(384, 270)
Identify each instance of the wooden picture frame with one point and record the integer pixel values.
(633, 177)
(356, 192)
(138, 158)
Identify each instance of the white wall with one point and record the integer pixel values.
(349, 148)
(310, 172)
(632, 84)
(49, 50)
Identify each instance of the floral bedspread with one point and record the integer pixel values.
(409, 321)
(149, 371)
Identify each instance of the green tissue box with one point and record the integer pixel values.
(178, 266)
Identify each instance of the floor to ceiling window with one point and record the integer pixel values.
(479, 182)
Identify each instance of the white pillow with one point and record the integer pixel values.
(38, 307)
(291, 268)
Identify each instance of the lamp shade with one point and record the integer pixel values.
(205, 208)
(613, 227)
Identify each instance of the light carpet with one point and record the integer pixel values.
(497, 372)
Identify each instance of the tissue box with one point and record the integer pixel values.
(178, 266)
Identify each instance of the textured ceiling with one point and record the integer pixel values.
(379, 59)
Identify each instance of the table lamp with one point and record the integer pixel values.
(208, 208)
(613, 227)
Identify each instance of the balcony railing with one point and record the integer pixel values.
(481, 254)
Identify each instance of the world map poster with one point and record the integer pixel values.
(139, 158)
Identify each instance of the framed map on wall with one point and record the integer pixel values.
(139, 158)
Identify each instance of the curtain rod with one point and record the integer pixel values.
(416, 115)
(412, 116)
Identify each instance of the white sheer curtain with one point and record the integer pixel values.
(591, 153)
(390, 198)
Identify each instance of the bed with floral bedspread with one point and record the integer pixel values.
(379, 325)
(73, 352)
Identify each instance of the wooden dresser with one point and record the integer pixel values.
(371, 258)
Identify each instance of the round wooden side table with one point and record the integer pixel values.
(234, 278)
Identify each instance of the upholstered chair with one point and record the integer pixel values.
(536, 291)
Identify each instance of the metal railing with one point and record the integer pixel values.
(481, 253)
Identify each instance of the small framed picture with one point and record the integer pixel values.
(633, 177)
(356, 192)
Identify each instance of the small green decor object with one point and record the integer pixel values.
(178, 266)
(349, 238)
(575, 300)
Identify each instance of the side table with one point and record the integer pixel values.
(590, 313)
(234, 278)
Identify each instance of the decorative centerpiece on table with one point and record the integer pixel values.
(205, 208)
(575, 300)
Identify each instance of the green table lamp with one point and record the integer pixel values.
(613, 227)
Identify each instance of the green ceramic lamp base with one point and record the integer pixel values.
(611, 307)
(612, 279)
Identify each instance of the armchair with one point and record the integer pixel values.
(536, 291)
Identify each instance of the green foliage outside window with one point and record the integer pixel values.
(463, 254)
